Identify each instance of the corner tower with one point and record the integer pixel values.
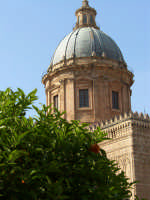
(87, 76)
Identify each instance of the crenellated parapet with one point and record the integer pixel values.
(120, 125)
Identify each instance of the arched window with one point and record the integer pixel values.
(55, 99)
(91, 19)
(78, 19)
(84, 19)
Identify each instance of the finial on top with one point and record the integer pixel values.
(85, 3)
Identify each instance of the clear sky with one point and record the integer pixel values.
(30, 31)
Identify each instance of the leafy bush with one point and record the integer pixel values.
(47, 157)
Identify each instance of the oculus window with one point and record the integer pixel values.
(83, 98)
(56, 101)
(115, 100)
(84, 19)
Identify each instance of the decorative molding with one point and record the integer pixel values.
(120, 125)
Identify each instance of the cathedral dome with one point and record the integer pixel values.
(87, 42)
(88, 77)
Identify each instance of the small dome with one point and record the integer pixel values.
(87, 42)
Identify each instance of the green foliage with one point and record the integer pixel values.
(48, 158)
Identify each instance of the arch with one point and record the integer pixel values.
(84, 19)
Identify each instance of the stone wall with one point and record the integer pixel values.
(130, 148)
(100, 79)
(141, 149)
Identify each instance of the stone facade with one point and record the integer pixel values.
(100, 77)
(130, 148)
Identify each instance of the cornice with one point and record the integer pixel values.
(84, 63)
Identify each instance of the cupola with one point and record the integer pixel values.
(85, 16)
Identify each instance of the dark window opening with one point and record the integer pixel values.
(78, 19)
(84, 19)
(83, 98)
(91, 19)
(56, 101)
(115, 100)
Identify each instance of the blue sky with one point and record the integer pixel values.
(30, 31)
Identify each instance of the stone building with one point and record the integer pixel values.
(89, 79)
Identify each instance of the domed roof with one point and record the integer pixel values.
(87, 42)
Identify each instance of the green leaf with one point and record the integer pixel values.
(14, 155)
